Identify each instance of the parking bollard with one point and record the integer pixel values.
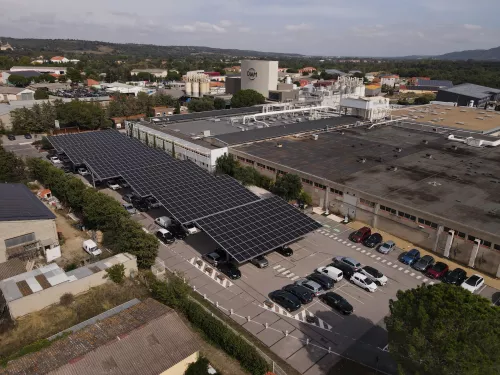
(307, 341)
(231, 311)
(286, 332)
(267, 326)
(329, 349)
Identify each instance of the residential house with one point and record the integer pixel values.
(389, 79)
(59, 60)
(5, 47)
(307, 69)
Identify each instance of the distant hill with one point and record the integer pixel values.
(475, 54)
(129, 49)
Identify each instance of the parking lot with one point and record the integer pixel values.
(23, 147)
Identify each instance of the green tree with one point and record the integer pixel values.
(442, 329)
(306, 198)
(219, 103)
(385, 88)
(288, 186)
(246, 175)
(41, 94)
(200, 367)
(74, 75)
(201, 105)
(144, 76)
(116, 273)
(173, 76)
(100, 212)
(12, 168)
(44, 78)
(291, 70)
(247, 98)
(226, 164)
(18, 80)
(177, 109)
(424, 99)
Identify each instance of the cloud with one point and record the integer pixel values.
(244, 29)
(370, 31)
(198, 27)
(225, 23)
(298, 27)
(468, 26)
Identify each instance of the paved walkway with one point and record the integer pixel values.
(406, 245)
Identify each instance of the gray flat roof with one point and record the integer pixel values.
(18, 203)
(283, 130)
(475, 91)
(208, 114)
(462, 185)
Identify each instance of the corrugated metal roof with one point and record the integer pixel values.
(145, 339)
(434, 82)
(474, 91)
(18, 203)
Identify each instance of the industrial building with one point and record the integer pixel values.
(39, 69)
(27, 226)
(259, 75)
(435, 186)
(468, 95)
(158, 73)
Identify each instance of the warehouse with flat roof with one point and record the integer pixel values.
(437, 191)
(468, 93)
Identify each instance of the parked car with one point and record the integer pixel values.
(386, 247)
(285, 251)
(373, 240)
(304, 294)
(347, 271)
(215, 258)
(332, 272)
(177, 230)
(323, 280)
(65, 159)
(112, 185)
(353, 263)
(337, 302)
(55, 160)
(375, 275)
(360, 235)
(165, 236)
(313, 286)
(473, 283)
(124, 184)
(191, 229)
(410, 257)
(140, 204)
(438, 270)
(66, 169)
(27, 136)
(82, 171)
(455, 277)
(260, 262)
(163, 221)
(230, 270)
(286, 300)
(424, 263)
(11, 137)
(129, 208)
(152, 202)
(91, 247)
(363, 282)
(129, 197)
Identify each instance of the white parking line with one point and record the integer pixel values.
(339, 289)
(344, 242)
(373, 255)
(384, 260)
(285, 272)
(290, 275)
(480, 290)
(328, 307)
(419, 277)
(363, 251)
(294, 278)
(378, 258)
(406, 271)
(348, 244)
(394, 266)
(281, 269)
(358, 248)
(412, 274)
(389, 263)
(425, 280)
(400, 268)
(331, 236)
(276, 267)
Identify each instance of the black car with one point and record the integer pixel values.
(27, 136)
(177, 231)
(285, 251)
(373, 240)
(286, 300)
(11, 137)
(323, 280)
(337, 302)
(424, 263)
(66, 169)
(230, 270)
(140, 205)
(455, 277)
(346, 270)
(302, 293)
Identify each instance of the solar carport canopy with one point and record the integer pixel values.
(107, 152)
(255, 229)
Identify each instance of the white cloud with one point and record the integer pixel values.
(299, 27)
(225, 23)
(370, 31)
(468, 26)
(198, 27)
(244, 29)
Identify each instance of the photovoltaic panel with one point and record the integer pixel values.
(187, 191)
(257, 228)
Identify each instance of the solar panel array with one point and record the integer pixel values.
(107, 152)
(187, 191)
(255, 229)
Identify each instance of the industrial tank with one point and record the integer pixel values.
(196, 88)
(204, 88)
(188, 88)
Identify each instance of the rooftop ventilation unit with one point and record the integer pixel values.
(394, 168)
(279, 145)
(425, 141)
(314, 137)
(428, 156)
(206, 133)
(399, 149)
(362, 160)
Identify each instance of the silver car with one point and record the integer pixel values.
(387, 247)
(260, 262)
(313, 286)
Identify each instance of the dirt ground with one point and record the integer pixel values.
(71, 249)
(472, 118)
(53, 319)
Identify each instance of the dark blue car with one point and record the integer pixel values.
(411, 257)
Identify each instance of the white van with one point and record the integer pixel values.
(91, 247)
(163, 221)
(331, 272)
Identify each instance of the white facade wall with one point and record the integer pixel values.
(259, 75)
(388, 81)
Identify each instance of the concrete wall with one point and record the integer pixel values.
(350, 202)
(45, 231)
(50, 296)
(181, 367)
(259, 75)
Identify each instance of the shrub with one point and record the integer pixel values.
(116, 273)
(199, 367)
(66, 299)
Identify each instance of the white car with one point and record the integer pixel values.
(374, 275)
(55, 160)
(333, 273)
(113, 185)
(83, 171)
(473, 283)
(130, 209)
(191, 229)
(363, 282)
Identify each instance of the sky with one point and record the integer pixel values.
(309, 27)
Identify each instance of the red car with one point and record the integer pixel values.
(360, 235)
(437, 271)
